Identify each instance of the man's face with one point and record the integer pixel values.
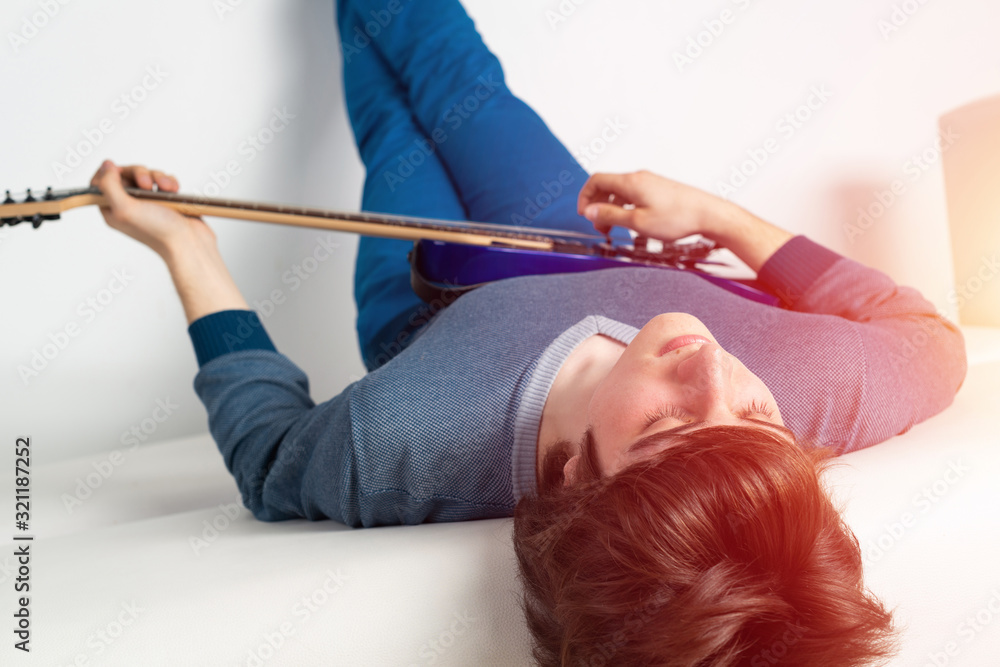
(700, 382)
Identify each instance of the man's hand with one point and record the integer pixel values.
(185, 243)
(159, 227)
(651, 205)
(662, 209)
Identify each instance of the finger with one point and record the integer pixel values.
(100, 171)
(137, 175)
(596, 197)
(599, 187)
(606, 197)
(164, 181)
(109, 180)
(606, 216)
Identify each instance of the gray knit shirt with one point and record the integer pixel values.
(447, 430)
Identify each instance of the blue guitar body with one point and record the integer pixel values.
(440, 267)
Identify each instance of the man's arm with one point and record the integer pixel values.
(290, 457)
(186, 244)
(751, 239)
(202, 280)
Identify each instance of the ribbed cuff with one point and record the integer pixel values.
(228, 331)
(796, 265)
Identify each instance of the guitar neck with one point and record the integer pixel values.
(682, 255)
(368, 224)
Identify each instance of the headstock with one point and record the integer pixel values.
(48, 207)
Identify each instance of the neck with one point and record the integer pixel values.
(564, 416)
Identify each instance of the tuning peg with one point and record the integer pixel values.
(48, 216)
(8, 221)
(36, 219)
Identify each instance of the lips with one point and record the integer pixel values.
(681, 341)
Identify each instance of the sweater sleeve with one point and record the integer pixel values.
(914, 360)
(290, 457)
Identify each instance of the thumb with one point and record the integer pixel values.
(109, 180)
(606, 216)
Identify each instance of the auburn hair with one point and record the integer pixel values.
(723, 549)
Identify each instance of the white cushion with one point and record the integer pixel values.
(161, 564)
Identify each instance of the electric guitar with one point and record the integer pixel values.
(449, 256)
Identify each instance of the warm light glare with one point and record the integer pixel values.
(972, 184)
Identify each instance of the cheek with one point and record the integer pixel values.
(603, 405)
(613, 405)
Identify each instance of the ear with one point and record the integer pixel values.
(570, 470)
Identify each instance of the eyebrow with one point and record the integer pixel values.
(659, 436)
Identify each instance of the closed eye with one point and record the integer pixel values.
(666, 411)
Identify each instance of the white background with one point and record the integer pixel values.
(225, 74)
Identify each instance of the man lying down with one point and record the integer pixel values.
(658, 440)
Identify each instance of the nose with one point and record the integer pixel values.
(710, 376)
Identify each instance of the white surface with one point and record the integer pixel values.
(397, 594)
(608, 60)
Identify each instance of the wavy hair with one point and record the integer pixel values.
(723, 549)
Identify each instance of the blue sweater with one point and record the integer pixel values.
(447, 430)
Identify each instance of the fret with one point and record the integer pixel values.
(29, 208)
